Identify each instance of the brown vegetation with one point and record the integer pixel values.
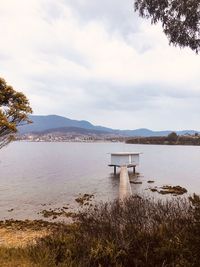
(139, 232)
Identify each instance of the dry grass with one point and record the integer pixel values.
(19, 238)
(139, 232)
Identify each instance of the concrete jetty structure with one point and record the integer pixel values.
(124, 184)
(128, 159)
(124, 160)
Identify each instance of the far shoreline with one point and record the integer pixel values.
(172, 140)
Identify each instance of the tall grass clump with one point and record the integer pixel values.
(139, 232)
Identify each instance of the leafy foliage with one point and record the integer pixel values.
(180, 19)
(172, 137)
(14, 110)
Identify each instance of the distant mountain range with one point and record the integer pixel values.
(55, 123)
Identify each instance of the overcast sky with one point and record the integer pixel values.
(96, 60)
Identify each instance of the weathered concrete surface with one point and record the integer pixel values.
(124, 185)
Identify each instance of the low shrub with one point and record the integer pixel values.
(139, 232)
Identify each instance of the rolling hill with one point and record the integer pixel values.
(52, 123)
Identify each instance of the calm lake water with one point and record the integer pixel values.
(53, 174)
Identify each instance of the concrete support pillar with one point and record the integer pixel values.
(115, 170)
(134, 169)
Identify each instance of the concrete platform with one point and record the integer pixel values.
(124, 185)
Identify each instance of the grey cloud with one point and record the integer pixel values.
(134, 97)
(52, 11)
(148, 101)
(65, 52)
(118, 15)
(110, 96)
(61, 80)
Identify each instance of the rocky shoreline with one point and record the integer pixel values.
(20, 233)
